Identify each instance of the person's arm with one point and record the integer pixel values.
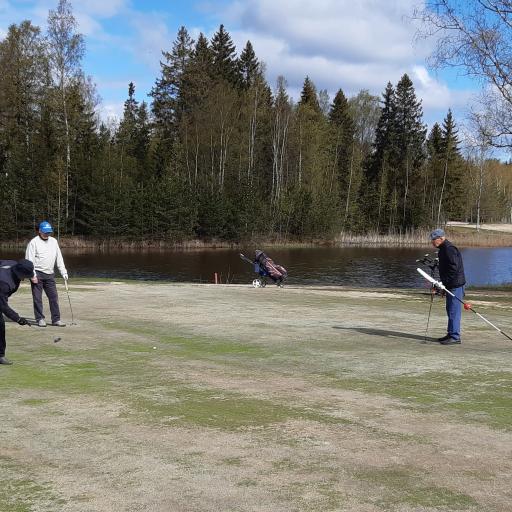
(60, 264)
(4, 306)
(30, 255)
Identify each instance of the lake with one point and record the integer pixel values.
(348, 266)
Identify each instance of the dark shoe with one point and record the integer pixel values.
(450, 341)
(4, 360)
(444, 338)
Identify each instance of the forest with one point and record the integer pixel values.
(216, 152)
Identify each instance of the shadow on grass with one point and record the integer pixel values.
(387, 334)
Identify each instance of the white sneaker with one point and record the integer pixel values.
(41, 322)
(59, 323)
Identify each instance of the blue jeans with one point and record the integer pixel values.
(454, 311)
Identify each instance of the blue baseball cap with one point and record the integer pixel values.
(45, 227)
(437, 233)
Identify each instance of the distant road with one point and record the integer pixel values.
(504, 228)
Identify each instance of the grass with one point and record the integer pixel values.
(25, 494)
(295, 418)
(483, 397)
(392, 486)
(183, 405)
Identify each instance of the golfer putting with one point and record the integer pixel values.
(11, 275)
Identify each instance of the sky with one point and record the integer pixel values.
(347, 44)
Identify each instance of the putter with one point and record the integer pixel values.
(69, 300)
(467, 305)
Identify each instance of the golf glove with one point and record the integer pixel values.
(22, 321)
(65, 277)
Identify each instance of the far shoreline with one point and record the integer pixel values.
(464, 235)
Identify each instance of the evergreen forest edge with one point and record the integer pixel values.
(219, 154)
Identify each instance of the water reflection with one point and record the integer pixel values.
(349, 266)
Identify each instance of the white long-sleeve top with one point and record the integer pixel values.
(44, 254)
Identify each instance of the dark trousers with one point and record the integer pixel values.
(45, 282)
(454, 310)
(2, 335)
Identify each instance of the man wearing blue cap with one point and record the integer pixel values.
(44, 252)
(451, 273)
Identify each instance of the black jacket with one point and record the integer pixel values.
(9, 283)
(451, 268)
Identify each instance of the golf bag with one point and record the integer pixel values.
(265, 267)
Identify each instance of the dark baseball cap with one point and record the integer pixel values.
(24, 268)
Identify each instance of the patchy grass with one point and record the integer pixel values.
(290, 399)
(23, 494)
(391, 486)
(484, 397)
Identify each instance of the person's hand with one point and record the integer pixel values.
(441, 293)
(65, 277)
(34, 279)
(23, 321)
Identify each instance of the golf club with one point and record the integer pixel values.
(467, 305)
(69, 300)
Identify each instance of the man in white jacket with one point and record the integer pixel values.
(44, 252)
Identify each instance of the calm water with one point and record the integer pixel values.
(349, 266)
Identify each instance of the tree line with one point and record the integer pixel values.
(217, 152)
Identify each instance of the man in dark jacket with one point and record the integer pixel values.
(451, 273)
(11, 274)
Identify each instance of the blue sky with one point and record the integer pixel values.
(354, 45)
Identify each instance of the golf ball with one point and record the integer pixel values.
(154, 348)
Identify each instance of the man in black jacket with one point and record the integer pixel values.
(451, 273)
(11, 274)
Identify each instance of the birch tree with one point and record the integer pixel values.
(66, 49)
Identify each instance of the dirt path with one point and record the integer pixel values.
(173, 397)
(502, 228)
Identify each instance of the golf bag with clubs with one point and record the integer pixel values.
(266, 268)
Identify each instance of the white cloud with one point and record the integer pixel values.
(150, 38)
(102, 8)
(350, 44)
(110, 112)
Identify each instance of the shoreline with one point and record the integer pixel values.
(461, 235)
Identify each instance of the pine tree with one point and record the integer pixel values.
(23, 157)
(343, 144)
(408, 155)
(434, 176)
(166, 106)
(197, 77)
(383, 135)
(249, 67)
(375, 193)
(225, 66)
(309, 97)
(454, 205)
